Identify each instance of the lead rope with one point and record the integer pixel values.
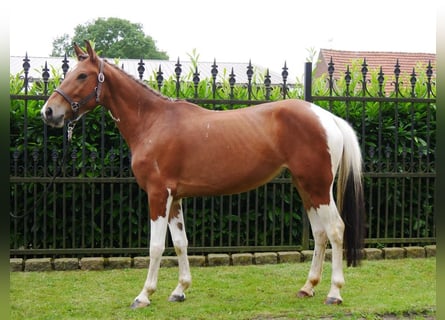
(70, 128)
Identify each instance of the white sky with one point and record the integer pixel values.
(266, 32)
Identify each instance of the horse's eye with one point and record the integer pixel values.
(81, 76)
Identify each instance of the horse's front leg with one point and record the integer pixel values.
(158, 204)
(179, 237)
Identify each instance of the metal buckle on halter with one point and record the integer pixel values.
(75, 106)
(100, 77)
(70, 128)
(100, 80)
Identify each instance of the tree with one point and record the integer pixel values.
(61, 45)
(113, 38)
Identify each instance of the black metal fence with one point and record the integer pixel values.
(94, 206)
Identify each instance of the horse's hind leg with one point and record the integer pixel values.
(179, 237)
(320, 240)
(335, 230)
(333, 225)
(326, 224)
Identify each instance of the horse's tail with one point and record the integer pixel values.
(350, 199)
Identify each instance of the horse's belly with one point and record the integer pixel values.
(228, 177)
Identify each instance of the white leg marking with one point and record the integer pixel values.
(180, 242)
(157, 246)
(320, 239)
(334, 227)
(326, 224)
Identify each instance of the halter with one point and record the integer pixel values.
(75, 106)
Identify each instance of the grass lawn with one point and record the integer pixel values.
(390, 288)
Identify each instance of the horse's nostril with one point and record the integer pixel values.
(48, 112)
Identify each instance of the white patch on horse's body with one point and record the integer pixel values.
(341, 136)
(333, 134)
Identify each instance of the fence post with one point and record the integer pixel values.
(308, 81)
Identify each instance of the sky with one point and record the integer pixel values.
(268, 33)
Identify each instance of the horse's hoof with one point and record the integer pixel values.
(138, 303)
(331, 300)
(177, 298)
(304, 294)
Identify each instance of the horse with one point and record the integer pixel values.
(180, 149)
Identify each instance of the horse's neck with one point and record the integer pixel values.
(133, 107)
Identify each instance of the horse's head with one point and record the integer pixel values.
(79, 91)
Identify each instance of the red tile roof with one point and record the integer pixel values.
(375, 60)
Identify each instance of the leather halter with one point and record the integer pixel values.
(75, 106)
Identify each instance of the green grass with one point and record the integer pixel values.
(389, 287)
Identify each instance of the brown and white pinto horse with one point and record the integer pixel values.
(182, 150)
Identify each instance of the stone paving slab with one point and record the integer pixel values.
(16, 264)
(289, 257)
(197, 261)
(63, 264)
(265, 258)
(218, 259)
(93, 263)
(373, 254)
(118, 263)
(430, 250)
(393, 253)
(242, 259)
(38, 264)
(415, 252)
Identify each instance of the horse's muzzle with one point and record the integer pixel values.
(48, 117)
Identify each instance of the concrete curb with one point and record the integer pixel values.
(212, 259)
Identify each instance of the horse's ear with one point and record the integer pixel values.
(81, 55)
(90, 50)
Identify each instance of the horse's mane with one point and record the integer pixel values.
(138, 81)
